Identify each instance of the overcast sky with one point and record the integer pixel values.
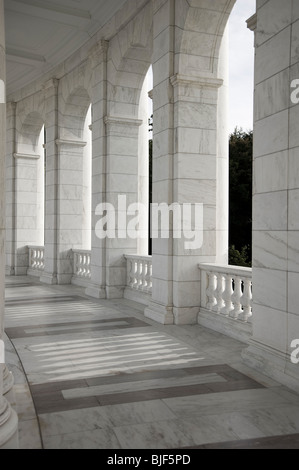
(241, 66)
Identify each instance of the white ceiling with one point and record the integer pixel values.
(42, 33)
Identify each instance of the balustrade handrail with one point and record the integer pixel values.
(84, 252)
(140, 257)
(226, 269)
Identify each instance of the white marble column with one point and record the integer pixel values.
(276, 193)
(8, 417)
(161, 307)
(51, 209)
(122, 180)
(10, 188)
(69, 205)
(186, 170)
(98, 59)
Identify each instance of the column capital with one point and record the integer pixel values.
(123, 121)
(26, 156)
(70, 143)
(121, 125)
(195, 81)
(196, 88)
(252, 22)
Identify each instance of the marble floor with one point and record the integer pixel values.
(97, 374)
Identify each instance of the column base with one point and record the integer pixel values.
(9, 438)
(50, 279)
(115, 292)
(9, 271)
(273, 363)
(33, 273)
(159, 313)
(185, 315)
(95, 291)
(64, 279)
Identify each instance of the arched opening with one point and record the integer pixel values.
(76, 169)
(31, 179)
(241, 84)
(144, 162)
(87, 181)
(41, 187)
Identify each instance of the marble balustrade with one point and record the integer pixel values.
(82, 267)
(36, 258)
(139, 278)
(226, 299)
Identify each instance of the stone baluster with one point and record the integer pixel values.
(236, 298)
(144, 271)
(211, 290)
(227, 296)
(219, 289)
(246, 300)
(135, 274)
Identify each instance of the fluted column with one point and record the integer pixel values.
(8, 418)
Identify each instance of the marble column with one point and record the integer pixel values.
(11, 109)
(98, 60)
(186, 170)
(52, 182)
(122, 180)
(273, 346)
(70, 205)
(8, 417)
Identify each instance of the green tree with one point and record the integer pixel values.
(240, 197)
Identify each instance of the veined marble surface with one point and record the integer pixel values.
(127, 382)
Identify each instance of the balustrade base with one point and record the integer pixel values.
(236, 329)
(80, 281)
(34, 272)
(48, 278)
(159, 313)
(137, 296)
(272, 363)
(185, 315)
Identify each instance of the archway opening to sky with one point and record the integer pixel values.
(241, 66)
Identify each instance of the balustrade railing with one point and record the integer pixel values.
(227, 290)
(139, 273)
(36, 258)
(82, 264)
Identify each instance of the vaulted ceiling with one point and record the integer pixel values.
(40, 34)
